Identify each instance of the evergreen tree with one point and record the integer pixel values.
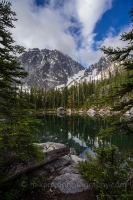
(10, 71)
(125, 57)
(16, 142)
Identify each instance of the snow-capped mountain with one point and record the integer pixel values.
(48, 68)
(101, 70)
(53, 69)
(97, 71)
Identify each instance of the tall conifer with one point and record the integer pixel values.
(15, 140)
(125, 57)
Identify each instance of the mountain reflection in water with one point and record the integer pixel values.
(79, 132)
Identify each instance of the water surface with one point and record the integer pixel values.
(79, 132)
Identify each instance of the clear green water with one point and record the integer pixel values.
(79, 132)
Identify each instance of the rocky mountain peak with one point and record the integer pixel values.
(96, 68)
(48, 68)
(51, 69)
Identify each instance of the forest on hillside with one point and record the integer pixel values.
(85, 95)
(17, 145)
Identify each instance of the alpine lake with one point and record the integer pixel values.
(80, 132)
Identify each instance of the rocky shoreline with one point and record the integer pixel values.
(62, 175)
(67, 179)
(91, 112)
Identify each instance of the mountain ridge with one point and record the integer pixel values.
(53, 69)
(48, 68)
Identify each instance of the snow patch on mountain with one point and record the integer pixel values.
(48, 68)
(101, 70)
(53, 69)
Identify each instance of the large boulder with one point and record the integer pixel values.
(60, 110)
(129, 112)
(72, 169)
(101, 112)
(60, 162)
(49, 146)
(70, 181)
(91, 112)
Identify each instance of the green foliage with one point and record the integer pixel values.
(17, 188)
(109, 174)
(125, 89)
(16, 144)
(99, 94)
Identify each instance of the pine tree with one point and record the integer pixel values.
(16, 142)
(125, 57)
(10, 71)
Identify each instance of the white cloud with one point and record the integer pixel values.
(114, 41)
(89, 12)
(49, 27)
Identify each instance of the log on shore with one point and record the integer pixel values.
(22, 168)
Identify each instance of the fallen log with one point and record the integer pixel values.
(22, 168)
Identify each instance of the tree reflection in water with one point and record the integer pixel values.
(79, 132)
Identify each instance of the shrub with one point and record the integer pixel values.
(110, 174)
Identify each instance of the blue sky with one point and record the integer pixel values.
(75, 27)
(117, 17)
